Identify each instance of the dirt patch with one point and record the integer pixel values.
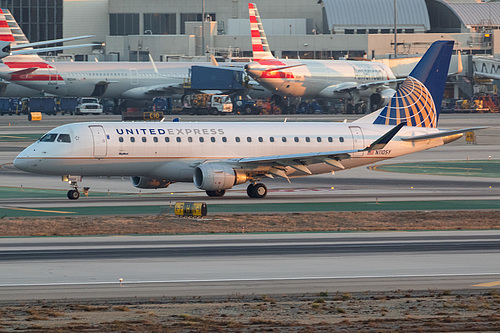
(328, 311)
(397, 311)
(237, 223)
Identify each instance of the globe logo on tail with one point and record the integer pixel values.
(412, 104)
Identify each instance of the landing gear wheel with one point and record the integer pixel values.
(258, 190)
(73, 194)
(250, 190)
(218, 193)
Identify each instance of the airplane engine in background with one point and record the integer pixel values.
(146, 182)
(217, 177)
(382, 98)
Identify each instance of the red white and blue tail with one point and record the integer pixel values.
(260, 46)
(417, 102)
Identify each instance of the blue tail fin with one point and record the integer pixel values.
(418, 100)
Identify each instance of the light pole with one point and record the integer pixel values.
(203, 28)
(314, 44)
(395, 29)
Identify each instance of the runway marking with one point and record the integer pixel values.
(38, 210)
(487, 284)
(136, 282)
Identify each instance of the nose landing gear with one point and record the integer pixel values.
(73, 194)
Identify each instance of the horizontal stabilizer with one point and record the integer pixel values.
(47, 42)
(441, 134)
(24, 71)
(381, 142)
(50, 49)
(273, 69)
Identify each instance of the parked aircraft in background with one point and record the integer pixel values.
(118, 80)
(316, 78)
(217, 156)
(14, 42)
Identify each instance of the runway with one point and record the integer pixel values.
(90, 267)
(355, 185)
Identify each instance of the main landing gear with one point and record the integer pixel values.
(257, 190)
(218, 193)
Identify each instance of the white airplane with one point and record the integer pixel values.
(126, 80)
(316, 78)
(14, 43)
(217, 156)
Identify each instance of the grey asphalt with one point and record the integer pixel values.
(224, 264)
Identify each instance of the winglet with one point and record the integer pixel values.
(381, 142)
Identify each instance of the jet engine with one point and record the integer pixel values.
(382, 98)
(217, 176)
(146, 182)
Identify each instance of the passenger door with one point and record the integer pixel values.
(99, 139)
(358, 140)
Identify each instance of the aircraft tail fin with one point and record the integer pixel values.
(260, 46)
(418, 100)
(11, 32)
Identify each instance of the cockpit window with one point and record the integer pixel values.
(50, 137)
(64, 138)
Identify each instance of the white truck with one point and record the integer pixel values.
(207, 104)
(89, 105)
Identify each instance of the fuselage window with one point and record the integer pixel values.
(249, 139)
(330, 139)
(48, 138)
(132, 139)
(212, 139)
(224, 139)
(318, 139)
(261, 139)
(237, 139)
(167, 139)
(283, 139)
(190, 139)
(178, 139)
(308, 139)
(341, 139)
(120, 139)
(144, 139)
(296, 139)
(271, 139)
(155, 139)
(201, 139)
(64, 138)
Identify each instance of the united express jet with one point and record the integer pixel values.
(216, 156)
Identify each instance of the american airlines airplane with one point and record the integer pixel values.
(126, 80)
(217, 156)
(14, 42)
(316, 78)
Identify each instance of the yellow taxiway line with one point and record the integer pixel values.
(488, 284)
(38, 210)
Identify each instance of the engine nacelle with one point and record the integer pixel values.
(217, 176)
(382, 98)
(146, 182)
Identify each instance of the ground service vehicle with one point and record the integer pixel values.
(207, 104)
(89, 105)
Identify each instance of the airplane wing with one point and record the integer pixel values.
(300, 161)
(441, 134)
